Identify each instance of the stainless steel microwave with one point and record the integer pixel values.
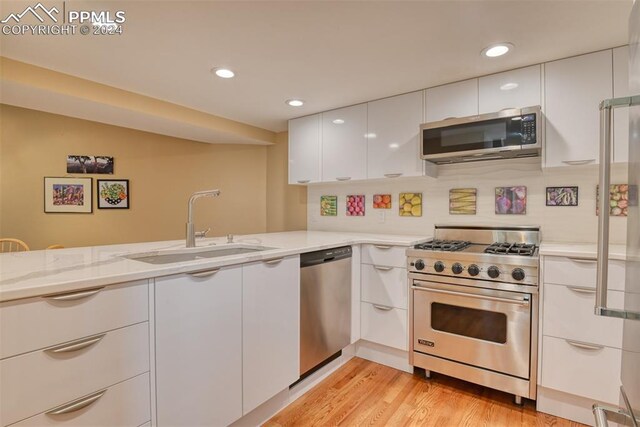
(508, 133)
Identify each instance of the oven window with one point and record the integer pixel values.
(469, 322)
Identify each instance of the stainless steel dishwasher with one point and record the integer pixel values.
(325, 306)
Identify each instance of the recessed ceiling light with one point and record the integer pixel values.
(509, 86)
(225, 73)
(394, 145)
(497, 49)
(295, 102)
(338, 121)
(370, 135)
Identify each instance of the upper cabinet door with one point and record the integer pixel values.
(304, 150)
(512, 89)
(452, 100)
(621, 115)
(344, 144)
(393, 136)
(574, 88)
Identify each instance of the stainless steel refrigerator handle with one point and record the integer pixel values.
(517, 301)
(602, 262)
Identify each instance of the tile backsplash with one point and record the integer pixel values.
(562, 224)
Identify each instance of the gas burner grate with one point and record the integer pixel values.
(443, 245)
(522, 249)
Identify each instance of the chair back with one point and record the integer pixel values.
(12, 245)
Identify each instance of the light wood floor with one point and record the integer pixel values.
(366, 393)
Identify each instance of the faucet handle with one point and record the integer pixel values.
(202, 233)
(229, 238)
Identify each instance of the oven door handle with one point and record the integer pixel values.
(524, 301)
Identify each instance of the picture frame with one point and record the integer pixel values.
(566, 196)
(84, 164)
(511, 200)
(113, 194)
(68, 195)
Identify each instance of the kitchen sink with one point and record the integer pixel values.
(192, 254)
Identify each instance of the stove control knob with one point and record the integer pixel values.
(457, 268)
(419, 264)
(473, 270)
(493, 272)
(438, 266)
(517, 274)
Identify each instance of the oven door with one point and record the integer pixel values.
(480, 327)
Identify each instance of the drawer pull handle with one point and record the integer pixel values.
(343, 178)
(77, 404)
(377, 267)
(384, 247)
(583, 260)
(303, 181)
(392, 175)
(274, 261)
(584, 346)
(582, 290)
(75, 345)
(382, 307)
(578, 162)
(75, 295)
(205, 273)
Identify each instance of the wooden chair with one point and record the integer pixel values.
(12, 245)
(55, 247)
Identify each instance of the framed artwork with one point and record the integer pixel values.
(329, 205)
(511, 200)
(113, 194)
(410, 204)
(462, 201)
(68, 195)
(382, 201)
(618, 199)
(90, 164)
(562, 196)
(355, 205)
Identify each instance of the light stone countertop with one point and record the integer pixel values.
(580, 250)
(45, 272)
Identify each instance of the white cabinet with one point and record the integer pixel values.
(270, 329)
(304, 150)
(453, 100)
(393, 136)
(511, 89)
(344, 143)
(199, 348)
(385, 286)
(621, 115)
(385, 325)
(574, 87)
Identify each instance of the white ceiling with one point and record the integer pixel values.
(330, 53)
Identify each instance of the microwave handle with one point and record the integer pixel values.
(602, 262)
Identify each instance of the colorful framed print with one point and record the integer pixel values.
(102, 165)
(329, 205)
(382, 201)
(618, 199)
(410, 204)
(113, 194)
(462, 201)
(68, 195)
(511, 200)
(562, 196)
(355, 205)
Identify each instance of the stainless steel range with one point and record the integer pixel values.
(474, 306)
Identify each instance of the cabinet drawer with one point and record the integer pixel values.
(40, 380)
(581, 272)
(386, 326)
(594, 374)
(124, 404)
(568, 313)
(35, 323)
(384, 285)
(386, 255)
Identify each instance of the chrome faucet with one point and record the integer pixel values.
(191, 234)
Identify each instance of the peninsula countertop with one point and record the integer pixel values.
(45, 272)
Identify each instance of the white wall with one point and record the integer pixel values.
(563, 224)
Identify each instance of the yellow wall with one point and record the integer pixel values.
(163, 171)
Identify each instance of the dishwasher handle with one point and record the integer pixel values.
(325, 256)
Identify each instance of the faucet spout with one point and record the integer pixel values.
(191, 235)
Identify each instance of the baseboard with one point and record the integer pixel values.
(564, 405)
(384, 355)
